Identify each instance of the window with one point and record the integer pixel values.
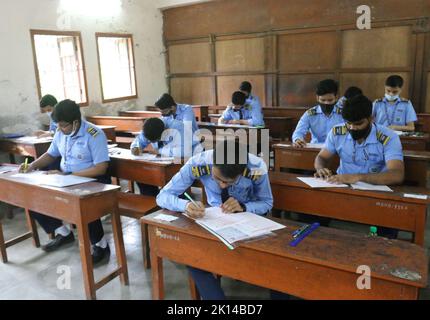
(116, 66)
(59, 65)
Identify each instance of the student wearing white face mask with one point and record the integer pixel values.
(393, 111)
(47, 105)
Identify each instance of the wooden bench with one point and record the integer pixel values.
(122, 124)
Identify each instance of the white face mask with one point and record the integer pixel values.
(390, 97)
(74, 130)
(49, 114)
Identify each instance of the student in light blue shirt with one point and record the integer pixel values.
(239, 112)
(47, 105)
(254, 104)
(393, 111)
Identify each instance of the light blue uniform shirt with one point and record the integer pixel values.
(315, 121)
(173, 141)
(52, 126)
(399, 114)
(381, 146)
(251, 189)
(184, 113)
(251, 111)
(82, 151)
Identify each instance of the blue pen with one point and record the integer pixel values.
(308, 231)
(300, 230)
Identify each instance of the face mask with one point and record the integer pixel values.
(390, 97)
(49, 113)
(327, 108)
(360, 134)
(74, 130)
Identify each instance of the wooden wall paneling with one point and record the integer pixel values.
(427, 104)
(299, 89)
(192, 90)
(426, 75)
(240, 55)
(372, 84)
(270, 65)
(190, 58)
(416, 85)
(377, 48)
(307, 51)
(226, 85)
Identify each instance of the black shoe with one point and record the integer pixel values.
(100, 254)
(58, 241)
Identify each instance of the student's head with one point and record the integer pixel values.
(229, 162)
(47, 103)
(352, 92)
(153, 129)
(166, 104)
(326, 94)
(238, 99)
(393, 87)
(67, 115)
(246, 88)
(357, 113)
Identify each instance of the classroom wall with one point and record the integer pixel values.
(284, 47)
(18, 90)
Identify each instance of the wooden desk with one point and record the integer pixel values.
(323, 266)
(122, 124)
(415, 143)
(289, 157)
(423, 123)
(109, 132)
(387, 209)
(201, 112)
(26, 149)
(80, 205)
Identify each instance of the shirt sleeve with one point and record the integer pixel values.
(140, 141)
(264, 197)
(393, 149)
(411, 115)
(174, 147)
(53, 150)
(256, 114)
(52, 126)
(226, 115)
(302, 127)
(99, 148)
(330, 143)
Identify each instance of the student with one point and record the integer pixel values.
(239, 186)
(368, 152)
(349, 93)
(170, 111)
(83, 150)
(253, 102)
(321, 118)
(393, 111)
(239, 112)
(47, 105)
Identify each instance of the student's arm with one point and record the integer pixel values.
(263, 193)
(410, 119)
(301, 131)
(226, 116)
(98, 170)
(324, 157)
(256, 114)
(42, 162)
(410, 126)
(138, 144)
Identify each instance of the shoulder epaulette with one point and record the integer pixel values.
(404, 100)
(378, 100)
(382, 138)
(312, 111)
(338, 110)
(340, 130)
(93, 131)
(248, 107)
(253, 174)
(200, 171)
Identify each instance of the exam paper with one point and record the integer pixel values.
(165, 217)
(315, 145)
(320, 183)
(53, 180)
(4, 169)
(416, 196)
(33, 139)
(367, 186)
(126, 153)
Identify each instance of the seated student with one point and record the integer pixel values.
(83, 150)
(47, 104)
(393, 111)
(239, 112)
(170, 111)
(349, 93)
(368, 152)
(235, 187)
(321, 118)
(253, 103)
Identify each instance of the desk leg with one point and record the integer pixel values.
(33, 228)
(119, 246)
(145, 246)
(157, 276)
(194, 292)
(419, 234)
(86, 260)
(2, 245)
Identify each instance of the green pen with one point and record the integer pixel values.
(191, 199)
(26, 164)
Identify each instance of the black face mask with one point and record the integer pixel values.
(327, 108)
(360, 134)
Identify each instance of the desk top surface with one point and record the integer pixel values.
(393, 260)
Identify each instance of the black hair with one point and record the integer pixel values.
(165, 101)
(357, 108)
(238, 98)
(327, 86)
(394, 81)
(67, 111)
(224, 150)
(352, 92)
(153, 129)
(245, 86)
(48, 100)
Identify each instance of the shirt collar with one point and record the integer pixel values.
(82, 129)
(386, 100)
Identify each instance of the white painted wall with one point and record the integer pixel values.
(18, 91)
(165, 4)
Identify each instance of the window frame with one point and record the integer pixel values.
(131, 59)
(77, 34)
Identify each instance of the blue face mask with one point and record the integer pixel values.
(389, 97)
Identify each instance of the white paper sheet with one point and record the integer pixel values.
(416, 196)
(53, 180)
(367, 186)
(165, 217)
(126, 153)
(4, 169)
(315, 145)
(33, 139)
(320, 183)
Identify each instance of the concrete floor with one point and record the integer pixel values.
(32, 273)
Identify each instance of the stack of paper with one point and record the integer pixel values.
(126, 153)
(367, 186)
(230, 228)
(315, 145)
(4, 169)
(54, 180)
(320, 183)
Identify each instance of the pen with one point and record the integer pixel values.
(191, 199)
(26, 164)
(298, 232)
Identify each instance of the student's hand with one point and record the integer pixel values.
(299, 143)
(45, 135)
(54, 172)
(38, 133)
(194, 211)
(234, 122)
(344, 178)
(150, 149)
(323, 173)
(22, 168)
(135, 151)
(231, 206)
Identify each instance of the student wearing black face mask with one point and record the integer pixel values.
(368, 152)
(321, 118)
